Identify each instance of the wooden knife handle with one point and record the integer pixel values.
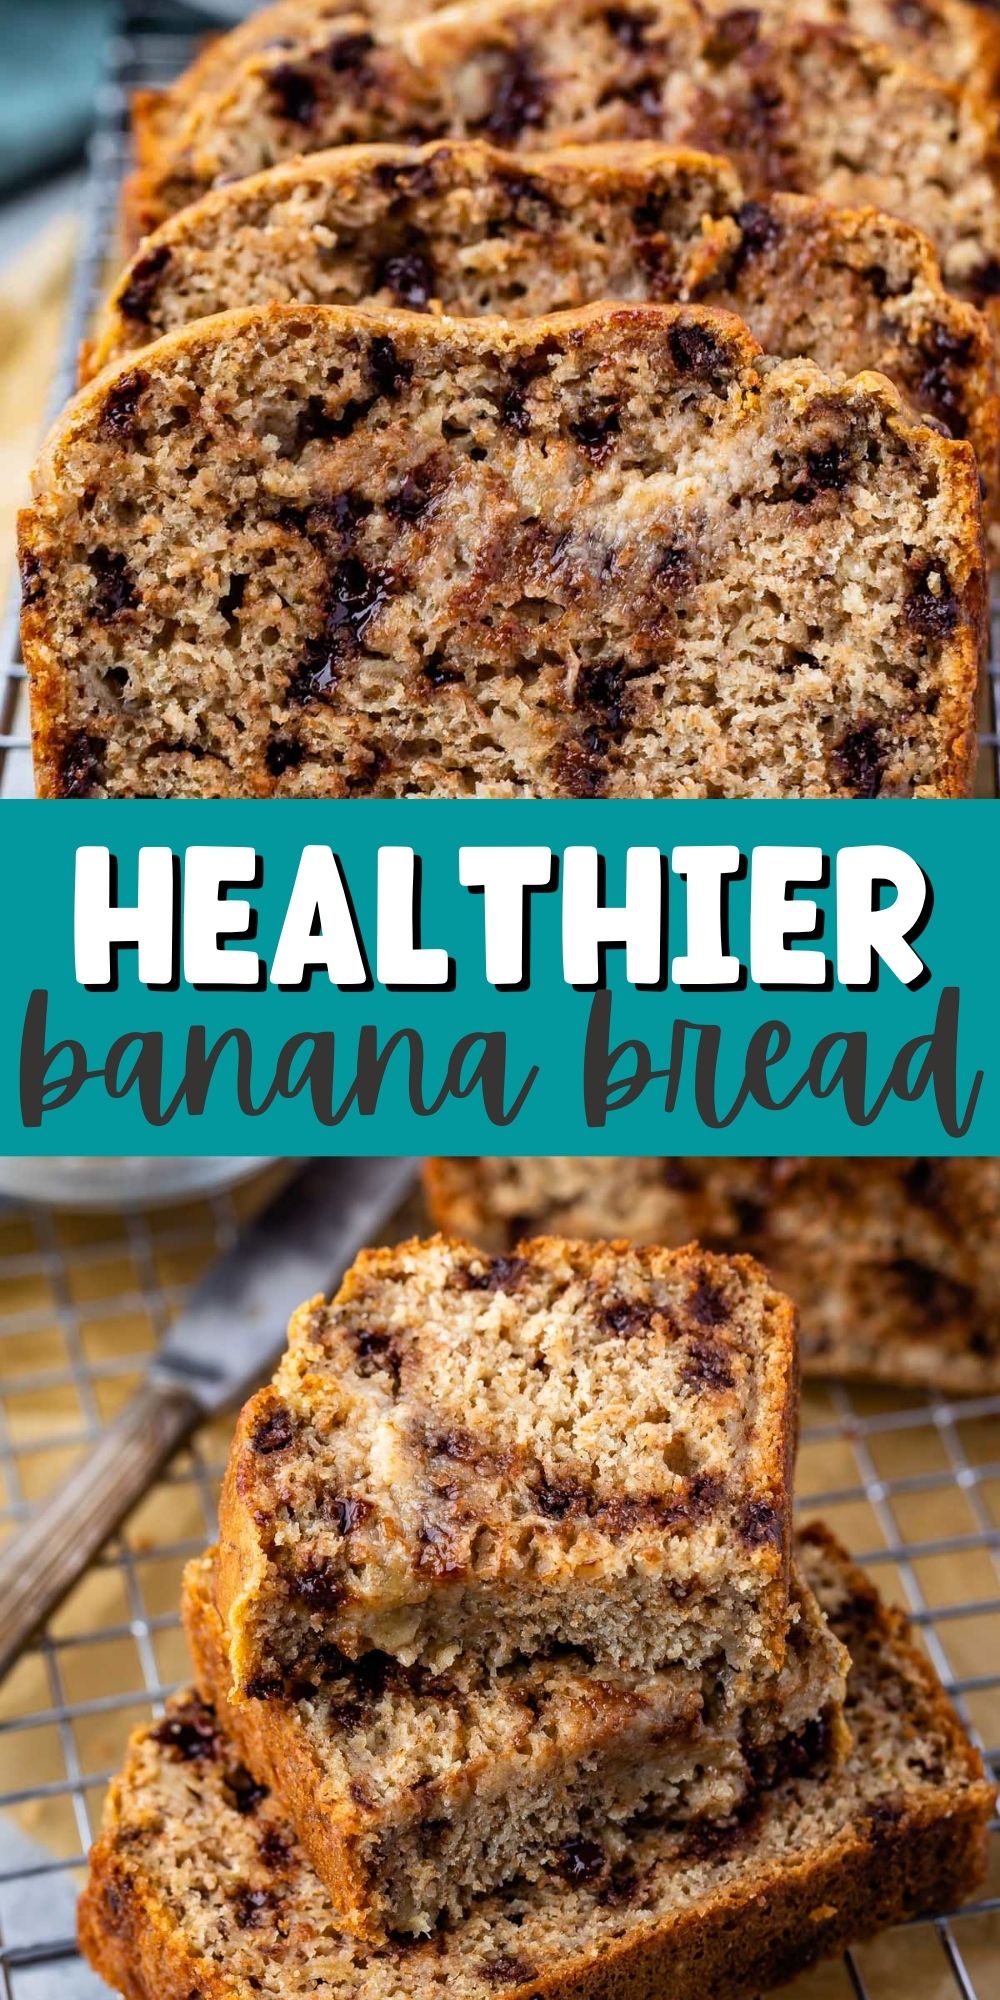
(41, 1563)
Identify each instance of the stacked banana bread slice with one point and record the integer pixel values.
(511, 1677)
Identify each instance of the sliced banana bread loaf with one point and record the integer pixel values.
(894, 1264)
(196, 1885)
(584, 1445)
(797, 105)
(412, 1794)
(465, 228)
(309, 550)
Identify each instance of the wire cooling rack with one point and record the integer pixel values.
(152, 45)
(912, 1485)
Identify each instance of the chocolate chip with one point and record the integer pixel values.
(860, 761)
(242, 1791)
(192, 1734)
(495, 1274)
(520, 96)
(138, 297)
(265, 1687)
(676, 570)
(274, 1432)
(696, 352)
(347, 55)
(283, 754)
(945, 355)
(629, 29)
(709, 1365)
(932, 607)
(320, 1586)
(760, 230)
(604, 688)
(530, 203)
(419, 488)
(506, 1970)
(557, 1498)
(377, 1352)
(829, 468)
(514, 412)
(121, 404)
(252, 1907)
(293, 93)
(116, 589)
(32, 580)
(349, 1513)
(705, 1493)
(582, 1861)
(707, 1305)
(80, 765)
(356, 596)
(409, 276)
(274, 1847)
(760, 1524)
(595, 430)
(624, 1319)
(388, 372)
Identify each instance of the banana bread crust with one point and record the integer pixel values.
(894, 1838)
(469, 229)
(309, 551)
(894, 1264)
(483, 1539)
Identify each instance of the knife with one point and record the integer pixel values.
(226, 1339)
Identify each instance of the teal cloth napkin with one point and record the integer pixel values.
(51, 55)
(50, 65)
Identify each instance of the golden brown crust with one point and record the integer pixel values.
(77, 650)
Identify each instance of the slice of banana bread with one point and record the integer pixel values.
(777, 96)
(311, 550)
(196, 1886)
(893, 1264)
(464, 228)
(585, 1445)
(412, 1795)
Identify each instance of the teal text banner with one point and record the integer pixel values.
(484, 976)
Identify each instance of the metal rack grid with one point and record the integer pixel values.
(152, 45)
(911, 1484)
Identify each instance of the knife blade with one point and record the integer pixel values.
(220, 1346)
